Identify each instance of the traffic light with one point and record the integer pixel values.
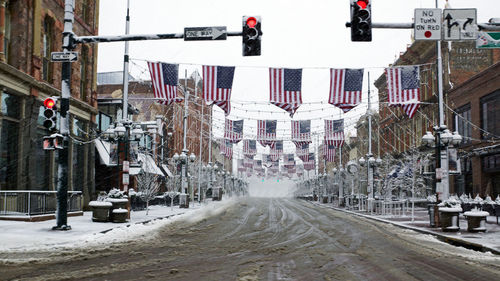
(50, 113)
(252, 34)
(361, 21)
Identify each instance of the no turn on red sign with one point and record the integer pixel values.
(428, 24)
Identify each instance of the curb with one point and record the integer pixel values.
(139, 222)
(444, 238)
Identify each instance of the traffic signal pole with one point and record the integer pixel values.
(69, 42)
(62, 157)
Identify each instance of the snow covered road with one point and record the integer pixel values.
(264, 239)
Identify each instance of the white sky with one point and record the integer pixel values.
(296, 34)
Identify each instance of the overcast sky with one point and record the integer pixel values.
(297, 34)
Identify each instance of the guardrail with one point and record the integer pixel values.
(35, 202)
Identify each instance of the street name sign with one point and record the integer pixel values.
(64, 57)
(488, 40)
(205, 33)
(428, 24)
(459, 24)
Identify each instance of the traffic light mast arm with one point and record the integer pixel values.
(388, 25)
(136, 37)
(481, 26)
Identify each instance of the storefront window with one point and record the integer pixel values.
(9, 138)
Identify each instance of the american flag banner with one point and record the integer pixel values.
(266, 132)
(241, 166)
(302, 152)
(301, 132)
(286, 88)
(403, 88)
(257, 165)
(276, 150)
(233, 130)
(334, 132)
(328, 152)
(289, 160)
(345, 88)
(249, 148)
(311, 163)
(164, 80)
(299, 171)
(227, 149)
(248, 162)
(217, 84)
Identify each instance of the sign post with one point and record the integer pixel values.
(428, 24)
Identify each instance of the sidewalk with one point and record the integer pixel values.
(20, 236)
(483, 241)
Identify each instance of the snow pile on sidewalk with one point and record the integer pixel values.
(38, 236)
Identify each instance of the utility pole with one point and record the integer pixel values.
(62, 158)
(369, 155)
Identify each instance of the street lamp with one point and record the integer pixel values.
(443, 140)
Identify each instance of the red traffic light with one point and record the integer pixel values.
(362, 3)
(49, 103)
(251, 22)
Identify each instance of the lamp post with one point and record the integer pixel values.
(443, 140)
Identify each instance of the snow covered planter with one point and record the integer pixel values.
(120, 215)
(100, 210)
(476, 220)
(118, 200)
(449, 211)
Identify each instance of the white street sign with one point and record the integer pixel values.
(64, 57)
(205, 33)
(428, 24)
(126, 166)
(459, 24)
(126, 179)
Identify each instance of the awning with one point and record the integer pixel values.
(103, 148)
(167, 171)
(148, 165)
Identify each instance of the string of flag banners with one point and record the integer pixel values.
(285, 86)
(285, 92)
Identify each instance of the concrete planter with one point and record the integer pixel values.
(118, 203)
(476, 221)
(120, 215)
(100, 210)
(448, 218)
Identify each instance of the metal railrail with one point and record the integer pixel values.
(35, 202)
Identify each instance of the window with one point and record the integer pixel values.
(83, 73)
(9, 140)
(490, 115)
(47, 49)
(79, 128)
(463, 123)
(78, 167)
(6, 38)
(42, 171)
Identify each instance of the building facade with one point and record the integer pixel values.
(29, 31)
(476, 116)
(461, 61)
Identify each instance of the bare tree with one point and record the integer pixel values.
(148, 184)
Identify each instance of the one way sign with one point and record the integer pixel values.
(64, 57)
(459, 24)
(205, 33)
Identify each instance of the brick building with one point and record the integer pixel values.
(476, 116)
(29, 31)
(168, 120)
(461, 61)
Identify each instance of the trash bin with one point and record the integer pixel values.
(433, 215)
